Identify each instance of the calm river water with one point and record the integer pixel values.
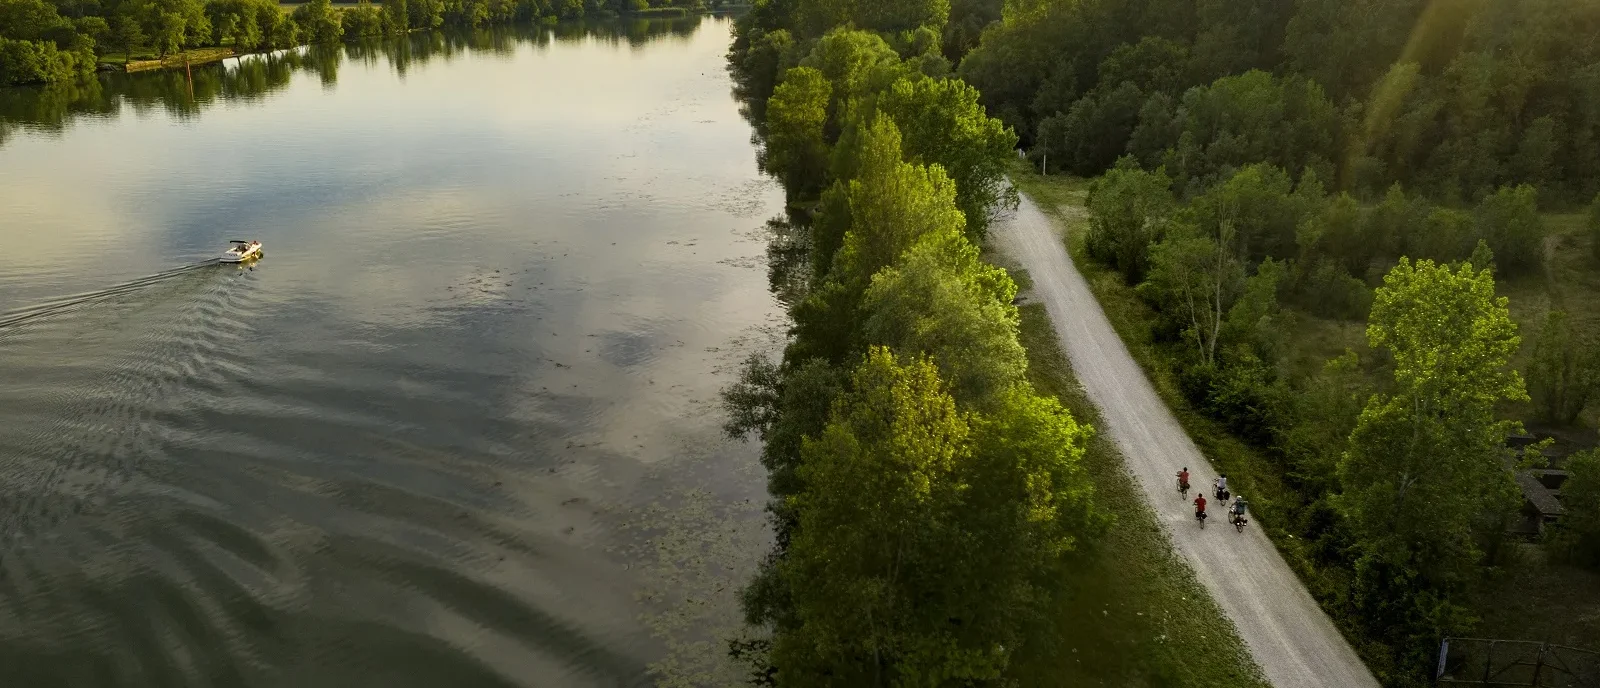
(458, 428)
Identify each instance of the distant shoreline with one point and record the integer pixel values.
(195, 57)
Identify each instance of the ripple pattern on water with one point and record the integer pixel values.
(460, 428)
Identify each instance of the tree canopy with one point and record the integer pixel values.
(1423, 478)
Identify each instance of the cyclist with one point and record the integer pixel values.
(1200, 507)
(1240, 508)
(1183, 479)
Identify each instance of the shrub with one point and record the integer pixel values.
(1564, 373)
(27, 62)
(1328, 291)
(1246, 395)
(1509, 220)
(365, 19)
(1127, 209)
(1577, 535)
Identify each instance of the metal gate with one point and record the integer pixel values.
(1484, 662)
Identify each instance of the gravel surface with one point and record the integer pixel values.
(1287, 633)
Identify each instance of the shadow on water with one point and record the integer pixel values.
(251, 78)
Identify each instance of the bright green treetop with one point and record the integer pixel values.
(942, 123)
(943, 301)
(1426, 461)
(893, 204)
(796, 151)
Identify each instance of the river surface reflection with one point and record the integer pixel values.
(459, 427)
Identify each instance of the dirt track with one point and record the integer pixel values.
(1289, 636)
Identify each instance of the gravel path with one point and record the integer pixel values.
(1289, 636)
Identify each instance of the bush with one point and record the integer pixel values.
(1509, 220)
(1246, 395)
(319, 22)
(28, 62)
(1577, 535)
(365, 19)
(1127, 210)
(1328, 291)
(1444, 237)
(1564, 373)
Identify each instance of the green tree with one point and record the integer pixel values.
(1509, 220)
(1194, 279)
(1337, 234)
(365, 19)
(856, 63)
(761, 65)
(1443, 237)
(424, 14)
(1159, 129)
(1255, 117)
(1259, 205)
(1347, 44)
(1577, 536)
(924, 533)
(395, 16)
(1564, 371)
(318, 21)
(1256, 320)
(871, 567)
(1128, 210)
(126, 35)
(893, 205)
(796, 151)
(1424, 475)
(26, 62)
(781, 406)
(174, 24)
(96, 29)
(1326, 411)
(1154, 64)
(941, 123)
(818, 16)
(277, 29)
(1091, 135)
(943, 301)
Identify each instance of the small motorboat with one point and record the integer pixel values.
(241, 251)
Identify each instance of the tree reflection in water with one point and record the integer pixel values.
(252, 78)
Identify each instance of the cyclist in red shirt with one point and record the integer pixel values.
(1200, 506)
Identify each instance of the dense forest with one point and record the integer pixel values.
(57, 40)
(1264, 168)
(927, 496)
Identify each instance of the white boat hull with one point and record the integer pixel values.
(241, 252)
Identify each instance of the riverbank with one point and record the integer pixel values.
(147, 59)
(193, 57)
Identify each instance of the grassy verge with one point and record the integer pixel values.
(195, 56)
(660, 12)
(1135, 616)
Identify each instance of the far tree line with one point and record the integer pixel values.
(55, 40)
